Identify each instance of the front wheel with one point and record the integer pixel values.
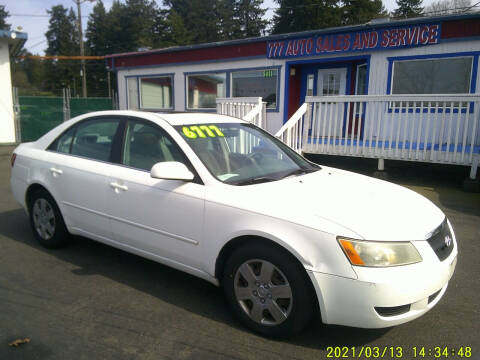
(268, 290)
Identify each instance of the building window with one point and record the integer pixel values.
(132, 93)
(432, 76)
(203, 90)
(361, 82)
(256, 83)
(156, 92)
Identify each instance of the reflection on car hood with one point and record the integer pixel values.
(371, 209)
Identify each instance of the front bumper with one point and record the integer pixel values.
(353, 302)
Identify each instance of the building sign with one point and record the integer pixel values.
(365, 40)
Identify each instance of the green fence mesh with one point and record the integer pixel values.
(40, 114)
(79, 106)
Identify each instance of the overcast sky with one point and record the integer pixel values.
(21, 12)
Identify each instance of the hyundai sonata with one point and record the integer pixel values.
(221, 199)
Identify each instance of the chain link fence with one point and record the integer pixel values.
(36, 115)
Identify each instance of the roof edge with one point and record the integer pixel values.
(333, 30)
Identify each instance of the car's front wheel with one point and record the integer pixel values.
(268, 290)
(47, 221)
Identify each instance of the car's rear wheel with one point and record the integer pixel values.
(268, 290)
(46, 220)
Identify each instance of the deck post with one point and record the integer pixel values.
(380, 173)
(474, 168)
(472, 184)
(381, 164)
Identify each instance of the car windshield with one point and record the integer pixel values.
(243, 154)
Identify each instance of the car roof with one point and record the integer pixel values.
(196, 118)
(172, 118)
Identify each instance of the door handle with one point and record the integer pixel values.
(56, 171)
(116, 185)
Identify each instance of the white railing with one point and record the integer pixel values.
(428, 128)
(251, 109)
(291, 132)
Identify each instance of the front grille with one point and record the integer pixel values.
(441, 241)
(433, 296)
(393, 310)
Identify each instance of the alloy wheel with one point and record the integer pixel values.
(263, 292)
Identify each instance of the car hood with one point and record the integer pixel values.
(364, 207)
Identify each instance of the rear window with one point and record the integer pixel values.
(91, 139)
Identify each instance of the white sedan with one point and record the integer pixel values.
(221, 199)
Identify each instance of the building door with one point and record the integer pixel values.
(357, 119)
(331, 82)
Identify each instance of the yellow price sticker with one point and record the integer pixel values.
(202, 131)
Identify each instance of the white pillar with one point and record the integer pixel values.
(7, 119)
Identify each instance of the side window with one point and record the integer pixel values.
(63, 143)
(93, 139)
(147, 144)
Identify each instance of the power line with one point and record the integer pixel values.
(471, 7)
(38, 43)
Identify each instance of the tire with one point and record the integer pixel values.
(268, 290)
(46, 221)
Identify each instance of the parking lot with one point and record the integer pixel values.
(91, 301)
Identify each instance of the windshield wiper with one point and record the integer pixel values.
(255, 180)
(300, 171)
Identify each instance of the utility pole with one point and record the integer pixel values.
(109, 86)
(82, 49)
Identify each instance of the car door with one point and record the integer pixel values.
(159, 217)
(79, 163)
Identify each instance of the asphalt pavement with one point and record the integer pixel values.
(91, 301)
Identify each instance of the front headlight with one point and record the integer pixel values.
(379, 254)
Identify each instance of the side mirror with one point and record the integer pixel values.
(171, 170)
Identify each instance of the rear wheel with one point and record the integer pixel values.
(268, 290)
(47, 221)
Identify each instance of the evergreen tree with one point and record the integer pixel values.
(408, 8)
(161, 29)
(3, 16)
(362, 11)
(250, 16)
(141, 22)
(229, 20)
(127, 27)
(199, 18)
(174, 31)
(200, 21)
(97, 44)
(63, 39)
(97, 30)
(118, 40)
(301, 15)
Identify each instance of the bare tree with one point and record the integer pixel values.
(444, 7)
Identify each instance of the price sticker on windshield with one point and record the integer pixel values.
(201, 131)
